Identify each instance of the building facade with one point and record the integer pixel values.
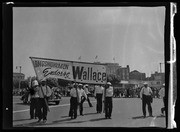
(114, 69)
(18, 76)
(136, 75)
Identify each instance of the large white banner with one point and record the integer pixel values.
(69, 70)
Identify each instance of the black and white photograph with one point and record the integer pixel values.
(89, 66)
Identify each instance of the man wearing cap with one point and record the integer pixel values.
(44, 92)
(108, 95)
(162, 95)
(82, 98)
(146, 96)
(34, 99)
(87, 93)
(98, 93)
(73, 102)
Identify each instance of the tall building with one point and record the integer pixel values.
(114, 69)
(136, 75)
(123, 72)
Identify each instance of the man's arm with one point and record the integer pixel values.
(141, 92)
(49, 91)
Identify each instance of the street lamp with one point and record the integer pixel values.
(19, 72)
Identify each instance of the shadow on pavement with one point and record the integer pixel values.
(98, 119)
(90, 113)
(22, 104)
(161, 116)
(22, 119)
(27, 124)
(138, 117)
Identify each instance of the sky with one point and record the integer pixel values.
(134, 36)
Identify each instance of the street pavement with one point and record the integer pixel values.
(127, 112)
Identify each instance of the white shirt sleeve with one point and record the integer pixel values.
(141, 92)
(84, 94)
(95, 91)
(49, 91)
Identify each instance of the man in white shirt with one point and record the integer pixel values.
(98, 93)
(44, 92)
(146, 96)
(73, 102)
(34, 99)
(87, 93)
(107, 96)
(162, 95)
(82, 98)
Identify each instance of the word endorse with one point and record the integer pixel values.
(38, 63)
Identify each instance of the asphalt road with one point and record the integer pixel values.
(127, 112)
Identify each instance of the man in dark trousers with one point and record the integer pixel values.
(44, 92)
(73, 102)
(108, 95)
(146, 96)
(87, 93)
(98, 93)
(34, 99)
(82, 98)
(162, 95)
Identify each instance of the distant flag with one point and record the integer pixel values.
(79, 58)
(96, 57)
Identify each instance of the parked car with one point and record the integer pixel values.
(55, 96)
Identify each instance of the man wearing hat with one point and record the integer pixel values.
(146, 96)
(98, 93)
(44, 92)
(82, 98)
(87, 93)
(162, 95)
(73, 102)
(108, 95)
(34, 99)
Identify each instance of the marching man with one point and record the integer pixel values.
(44, 92)
(162, 95)
(108, 95)
(98, 94)
(87, 93)
(82, 98)
(146, 96)
(73, 102)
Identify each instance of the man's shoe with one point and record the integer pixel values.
(151, 115)
(144, 116)
(82, 114)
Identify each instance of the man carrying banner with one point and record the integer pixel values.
(87, 93)
(98, 95)
(107, 96)
(34, 99)
(44, 92)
